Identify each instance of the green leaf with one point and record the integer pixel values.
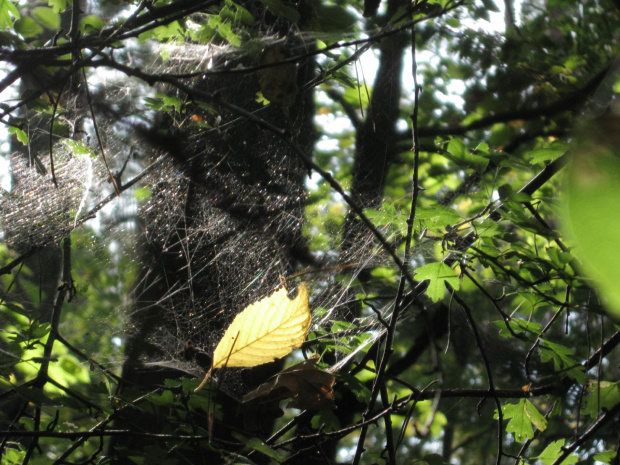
(458, 153)
(47, 17)
(79, 148)
(518, 326)
(506, 193)
(8, 11)
(388, 216)
(165, 398)
(237, 14)
(563, 360)
(553, 451)
(13, 456)
(592, 208)
(27, 27)
(357, 387)
(522, 416)
(438, 215)
(142, 194)
(438, 274)
(38, 330)
(91, 24)
(21, 135)
(259, 446)
(227, 33)
(603, 395)
(542, 155)
(58, 5)
(606, 457)
(327, 420)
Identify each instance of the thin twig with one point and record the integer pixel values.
(487, 365)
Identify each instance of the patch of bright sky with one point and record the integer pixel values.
(336, 124)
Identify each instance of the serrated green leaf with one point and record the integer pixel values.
(388, 216)
(542, 155)
(553, 451)
(603, 395)
(518, 326)
(521, 417)
(458, 153)
(606, 457)
(563, 360)
(438, 274)
(438, 215)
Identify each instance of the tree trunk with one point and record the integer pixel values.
(222, 228)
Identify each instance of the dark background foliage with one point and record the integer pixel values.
(171, 162)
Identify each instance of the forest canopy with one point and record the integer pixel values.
(411, 205)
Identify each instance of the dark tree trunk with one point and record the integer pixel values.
(224, 224)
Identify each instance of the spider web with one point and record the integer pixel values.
(221, 213)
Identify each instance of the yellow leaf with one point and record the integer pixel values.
(265, 330)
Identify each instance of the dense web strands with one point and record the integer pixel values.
(220, 223)
(228, 220)
(36, 212)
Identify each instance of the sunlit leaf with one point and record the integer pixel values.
(57, 5)
(592, 207)
(458, 153)
(553, 451)
(91, 24)
(47, 17)
(438, 275)
(266, 330)
(8, 12)
(606, 457)
(27, 27)
(20, 134)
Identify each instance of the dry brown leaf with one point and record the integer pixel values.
(310, 387)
